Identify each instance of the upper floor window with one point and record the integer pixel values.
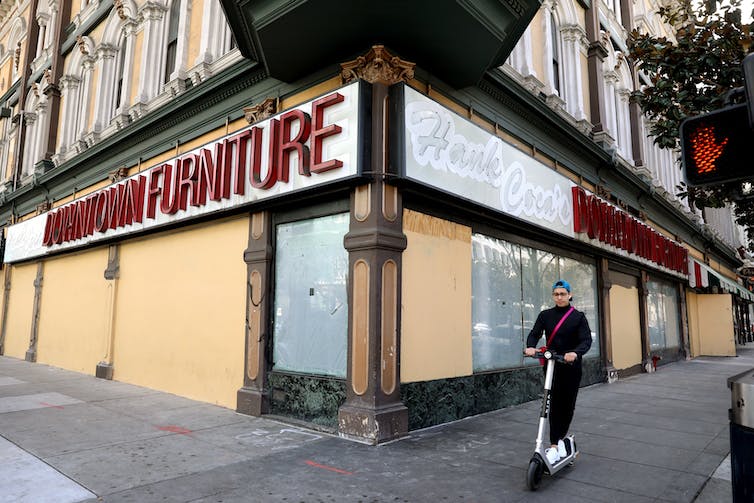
(119, 76)
(555, 42)
(172, 42)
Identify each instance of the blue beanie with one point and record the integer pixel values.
(561, 283)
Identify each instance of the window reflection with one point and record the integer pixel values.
(310, 320)
(662, 314)
(510, 285)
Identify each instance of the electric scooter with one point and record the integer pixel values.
(539, 463)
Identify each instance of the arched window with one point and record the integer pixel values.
(15, 44)
(119, 75)
(35, 122)
(551, 54)
(558, 73)
(115, 55)
(618, 84)
(555, 54)
(75, 90)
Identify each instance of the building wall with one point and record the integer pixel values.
(180, 311)
(74, 311)
(20, 310)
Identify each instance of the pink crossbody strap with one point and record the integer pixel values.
(554, 331)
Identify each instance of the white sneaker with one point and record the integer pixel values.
(562, 449)
(552, 456)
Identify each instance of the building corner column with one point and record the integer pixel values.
(373, 411)
(253, 398)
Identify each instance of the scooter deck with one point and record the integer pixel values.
(562, 462)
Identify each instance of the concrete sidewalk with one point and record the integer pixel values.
(67, 437)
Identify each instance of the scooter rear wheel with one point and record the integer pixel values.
(534, 474)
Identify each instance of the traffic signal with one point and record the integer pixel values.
(717, 147)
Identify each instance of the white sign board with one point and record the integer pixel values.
(448, 152)
(311, 145)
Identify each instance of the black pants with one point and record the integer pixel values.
(565, 388)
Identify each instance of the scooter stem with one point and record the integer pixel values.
(544, 412)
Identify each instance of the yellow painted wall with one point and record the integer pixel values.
(195, 33)
(181, 311)
(20, 309)
(625, 326)
(436, 310)
(711, 325)
(538, 45)
(136, 67)
(73, 319)
(75, 7)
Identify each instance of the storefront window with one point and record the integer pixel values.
(496, 306)
(662, 312)
(511, 284)
(310, 325)
(583, 279)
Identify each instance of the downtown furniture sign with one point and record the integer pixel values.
(308, 146)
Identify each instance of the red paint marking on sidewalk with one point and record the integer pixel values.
(51, 405)
(175, 429)
(325, 467)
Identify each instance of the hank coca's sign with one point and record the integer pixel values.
(452, 154)
(313, 144)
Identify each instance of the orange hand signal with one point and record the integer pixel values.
(705, 149)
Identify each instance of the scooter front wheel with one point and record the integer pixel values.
(534, 474)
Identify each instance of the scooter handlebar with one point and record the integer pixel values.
(548, 354)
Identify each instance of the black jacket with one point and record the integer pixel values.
(573, 335)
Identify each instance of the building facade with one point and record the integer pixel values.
(354, 226)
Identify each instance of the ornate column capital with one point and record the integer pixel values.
(260, 111)
(378, 66)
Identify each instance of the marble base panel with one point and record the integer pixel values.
(312, 399)
(444, 400)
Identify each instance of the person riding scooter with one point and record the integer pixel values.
(567, 333)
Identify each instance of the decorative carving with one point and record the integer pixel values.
(642, 215)
(260, 111)
(120, 8)
(603, 192)
(82, 45)
(44, 207)
(17, 56)
(377, 66)
(47, 75)
(118, 175)
(620, 58)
